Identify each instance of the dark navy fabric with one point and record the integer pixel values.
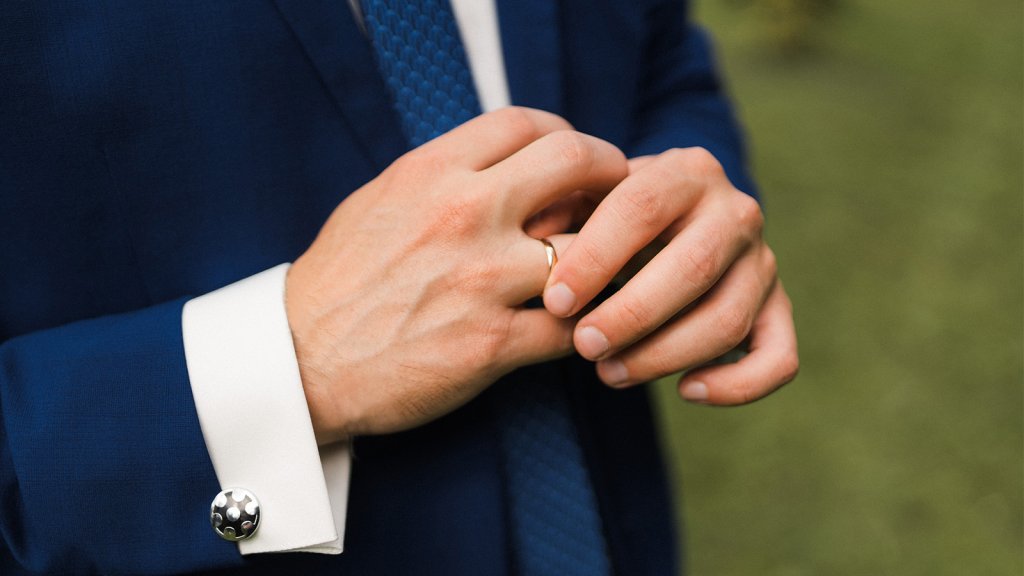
(154, 151)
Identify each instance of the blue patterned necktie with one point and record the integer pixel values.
(552, 507)
(422, 60)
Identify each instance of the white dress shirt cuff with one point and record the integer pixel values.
(254, 417)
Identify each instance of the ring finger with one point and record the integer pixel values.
(528, 267)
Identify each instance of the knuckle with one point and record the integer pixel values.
(519, 122)
(748, 213)
(789, 367)
(691, 168)
(573, 150)
(696, 159)
(424, 164)
(669, 171)
(676, 157)
(643, 205)
(420, 155)
(734, 324)
(702, 161)
(458, 216)
(701, 263)
(430, 159)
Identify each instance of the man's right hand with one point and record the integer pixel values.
(409, 302)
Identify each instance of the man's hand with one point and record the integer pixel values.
(409, 302)
(709, 288)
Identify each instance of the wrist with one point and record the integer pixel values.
(328, 425)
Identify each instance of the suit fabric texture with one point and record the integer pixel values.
(152, 152)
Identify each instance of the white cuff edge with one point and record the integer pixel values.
(240, 357)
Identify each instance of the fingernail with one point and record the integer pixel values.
(559, 299)
(695, 392)
(613, 372)
(591, 342)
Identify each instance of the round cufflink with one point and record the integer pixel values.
(235, 514)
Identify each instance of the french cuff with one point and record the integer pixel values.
(254, 417)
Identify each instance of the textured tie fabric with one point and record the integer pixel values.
(555, 524)
(553, 513)
(422, 59)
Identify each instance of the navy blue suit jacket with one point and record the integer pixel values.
(151, 152)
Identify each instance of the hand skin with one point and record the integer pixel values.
(409, 301)
(710, 286)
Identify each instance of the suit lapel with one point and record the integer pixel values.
(344, 59)
(531, 42)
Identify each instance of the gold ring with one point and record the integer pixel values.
(549, 249)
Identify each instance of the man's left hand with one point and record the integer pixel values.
(709, 288)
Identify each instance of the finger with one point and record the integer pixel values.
(537, 336)
(490, 138)
(713, 327)
(529, 269)
(552, 167)
(632, 215)
(772, 361)
(677, 275)
(563, 215)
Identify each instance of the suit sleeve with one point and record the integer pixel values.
(109, 427)
(682, 99)
(103, 466)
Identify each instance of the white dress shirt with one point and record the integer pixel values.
(245, 378)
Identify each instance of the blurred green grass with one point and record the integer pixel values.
(889, 148)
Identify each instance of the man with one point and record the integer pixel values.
(155, 154)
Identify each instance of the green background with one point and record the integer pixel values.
(887, 137)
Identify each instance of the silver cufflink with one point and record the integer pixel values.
(235, 514)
